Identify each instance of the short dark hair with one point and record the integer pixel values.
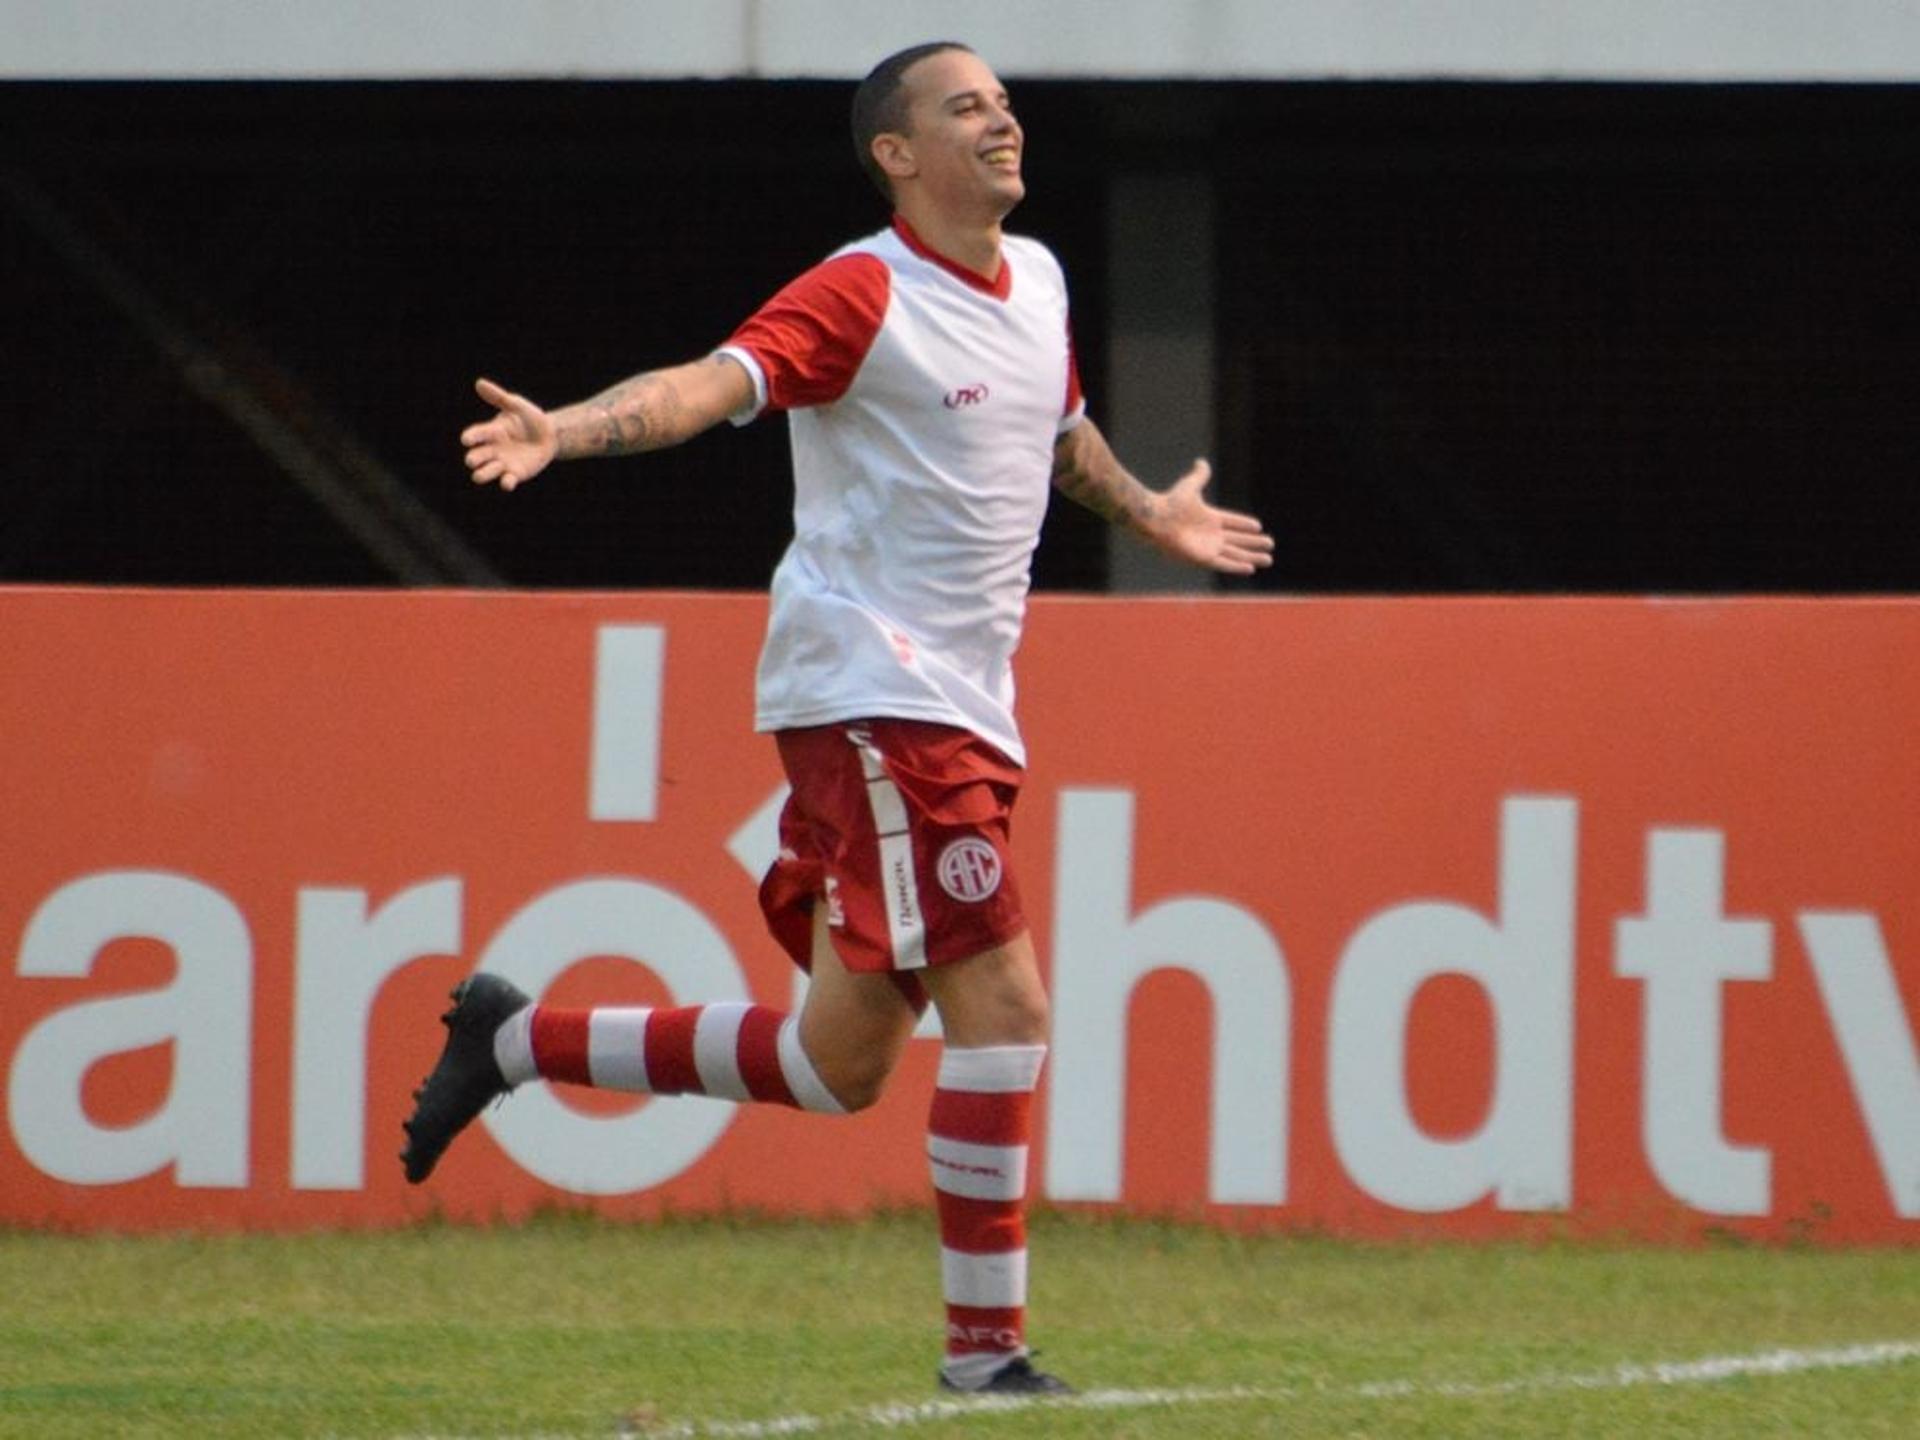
(880, 105)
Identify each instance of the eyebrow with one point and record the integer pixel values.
(1000, 95)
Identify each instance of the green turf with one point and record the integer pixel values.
(562, 1327)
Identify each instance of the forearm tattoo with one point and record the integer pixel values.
(1086, 472)
(638, 414)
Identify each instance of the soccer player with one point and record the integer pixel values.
(932, 397)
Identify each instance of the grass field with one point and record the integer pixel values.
(574, 1327)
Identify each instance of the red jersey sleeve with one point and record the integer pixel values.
(1076, 399)
(810, 339)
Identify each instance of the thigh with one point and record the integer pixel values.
(853, 1026)
(993, 998)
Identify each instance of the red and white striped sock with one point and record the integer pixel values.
(730, 1050)
(977, 1146)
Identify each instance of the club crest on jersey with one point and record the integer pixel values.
(969, 869)
(967, 395)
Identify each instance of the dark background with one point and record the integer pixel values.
(1509, 337)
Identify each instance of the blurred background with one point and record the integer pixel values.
(1543, 298)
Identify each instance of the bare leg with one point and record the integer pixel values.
(853, 1027)
(993, 998)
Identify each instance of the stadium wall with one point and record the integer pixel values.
(1476, 918)
(1443, 338)
(840, 39)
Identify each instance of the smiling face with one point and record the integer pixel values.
(960, 151)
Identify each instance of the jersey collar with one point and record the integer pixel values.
(999, 287)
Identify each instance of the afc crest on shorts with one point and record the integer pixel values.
(969, 870)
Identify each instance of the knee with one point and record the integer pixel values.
(1025, 1018)
(1007, 1009)
(853, 1048)
(857, 1082)
(856, 1074)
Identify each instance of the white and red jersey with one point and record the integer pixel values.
(925, 405)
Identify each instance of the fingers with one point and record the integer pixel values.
(507, 403)
(1243, 554)
(489, 442)
(1228, 563)
(1253, 543)
(1253, 546)
(490, 469)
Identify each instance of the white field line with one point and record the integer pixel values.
(1706, 1371)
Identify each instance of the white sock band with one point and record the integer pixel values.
(513, 1047)
(991, 1282)
(802, 1079)
(617, 1047)
(991, 1069)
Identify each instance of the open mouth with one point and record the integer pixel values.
(1002, 156)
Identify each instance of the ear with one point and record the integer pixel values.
(894, 155)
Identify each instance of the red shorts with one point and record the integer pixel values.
(901, 828)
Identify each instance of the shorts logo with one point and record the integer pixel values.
(969, 869)
(906, 911)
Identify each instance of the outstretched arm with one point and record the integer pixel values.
(1177, 521)
(646, 412)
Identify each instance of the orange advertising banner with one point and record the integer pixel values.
(1378, 917)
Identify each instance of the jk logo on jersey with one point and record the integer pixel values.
(969, 869)
(967, 395)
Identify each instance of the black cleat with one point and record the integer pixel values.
(466, 1077)
(1016, 1377)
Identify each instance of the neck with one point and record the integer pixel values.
(974, 244)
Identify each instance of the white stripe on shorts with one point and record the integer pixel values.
(989, 1282)
(899, 885)
(716, 1050)
(617, 1047)
(978, 1172)
(889, 810)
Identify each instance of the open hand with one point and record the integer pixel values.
(515, 445)
(1190, 529)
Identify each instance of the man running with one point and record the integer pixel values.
(932, 397)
